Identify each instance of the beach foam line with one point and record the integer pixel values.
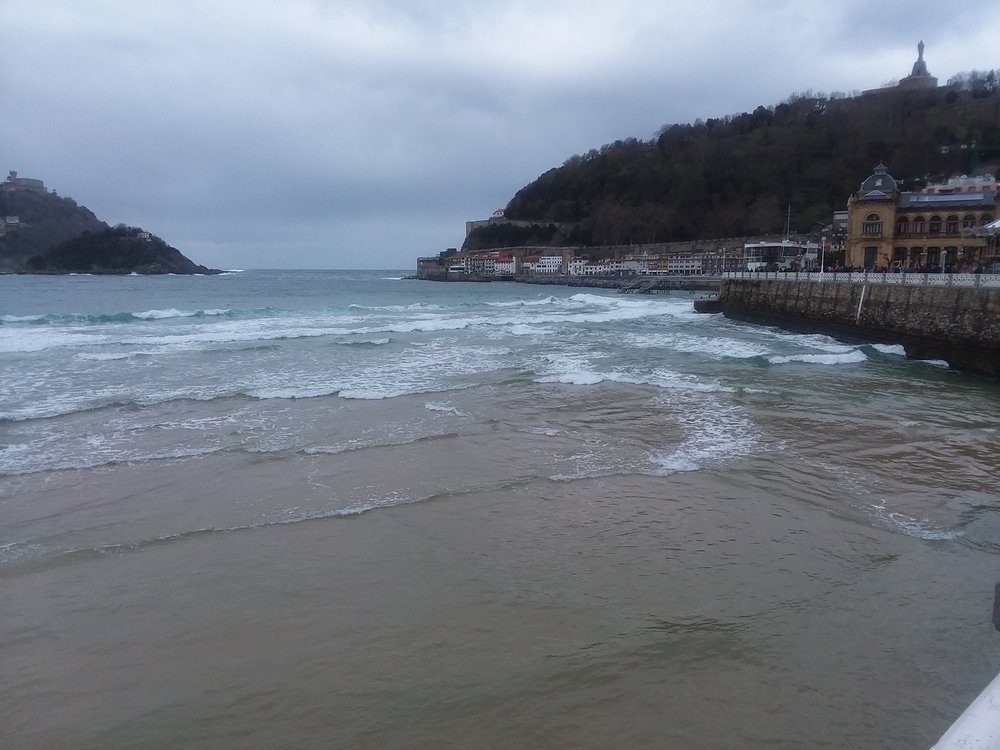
(920, 528)
(19, 554)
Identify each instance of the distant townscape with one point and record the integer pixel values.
(950, 226)
(899, 178)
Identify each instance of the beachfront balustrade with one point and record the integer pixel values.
(907, 278)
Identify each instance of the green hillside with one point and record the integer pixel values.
(119, 249)
(742, 174)
(44, 220)
(55, 235)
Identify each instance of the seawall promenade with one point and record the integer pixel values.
(951, 317)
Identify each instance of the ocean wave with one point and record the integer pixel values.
(267, 324)
(174, 313)
(380, 392)
(894, 349)
(920, 528)
(571, 370)
(526, 330)
(412, 307)
(719, 348)
(364, 342)
(25, 553)
(26, 462)
(526, 302)
(445, 408)
(717, 434)
(115, 317)
(112, 356)
(42, 410)
(851, 357)
(574, 377)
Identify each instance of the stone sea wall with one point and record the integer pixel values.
(957, 324)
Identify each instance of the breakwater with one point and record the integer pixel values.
(933, 318)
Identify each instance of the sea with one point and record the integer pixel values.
(351, 509)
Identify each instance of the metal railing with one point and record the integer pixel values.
(906, 278)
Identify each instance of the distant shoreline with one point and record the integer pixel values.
(657, 283)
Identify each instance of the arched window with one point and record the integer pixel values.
(935, 225)
(902, 225)
(918, 225)
(968, 221)
(951, 225)
(873, 225)
(986, 220)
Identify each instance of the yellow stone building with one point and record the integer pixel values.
(937, 228)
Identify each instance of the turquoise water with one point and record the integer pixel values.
(349, 509)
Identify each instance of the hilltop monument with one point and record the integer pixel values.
(919, 77)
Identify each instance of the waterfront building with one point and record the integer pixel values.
(685, 263)
(935, 228)
(549, 264)
(780, 255)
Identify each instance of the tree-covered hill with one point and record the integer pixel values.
(120, 249)
(44, 220)
(742, 174)
(55, 235)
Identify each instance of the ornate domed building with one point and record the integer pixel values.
(935, 228)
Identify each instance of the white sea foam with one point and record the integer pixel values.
(593, 464)
(896, 349)
(365, 341)
(546, 431)
(111, 356)
(443, 407)
(174, 313)
(21, 318)
(21, 340)
(712, 346)
(48, 454)
(578, 377)
(526, 302)
(717, 433)
(851, 357)
(19, 552)
(919, 528)
(355, 508)
(526, 330)
(161, 314)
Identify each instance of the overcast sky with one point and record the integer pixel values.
(362, 134)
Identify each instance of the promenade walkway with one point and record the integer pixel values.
(984, 280)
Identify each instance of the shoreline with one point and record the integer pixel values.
(655, 284)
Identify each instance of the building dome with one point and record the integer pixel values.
(879, 184)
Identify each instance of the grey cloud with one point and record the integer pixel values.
(345, 134)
